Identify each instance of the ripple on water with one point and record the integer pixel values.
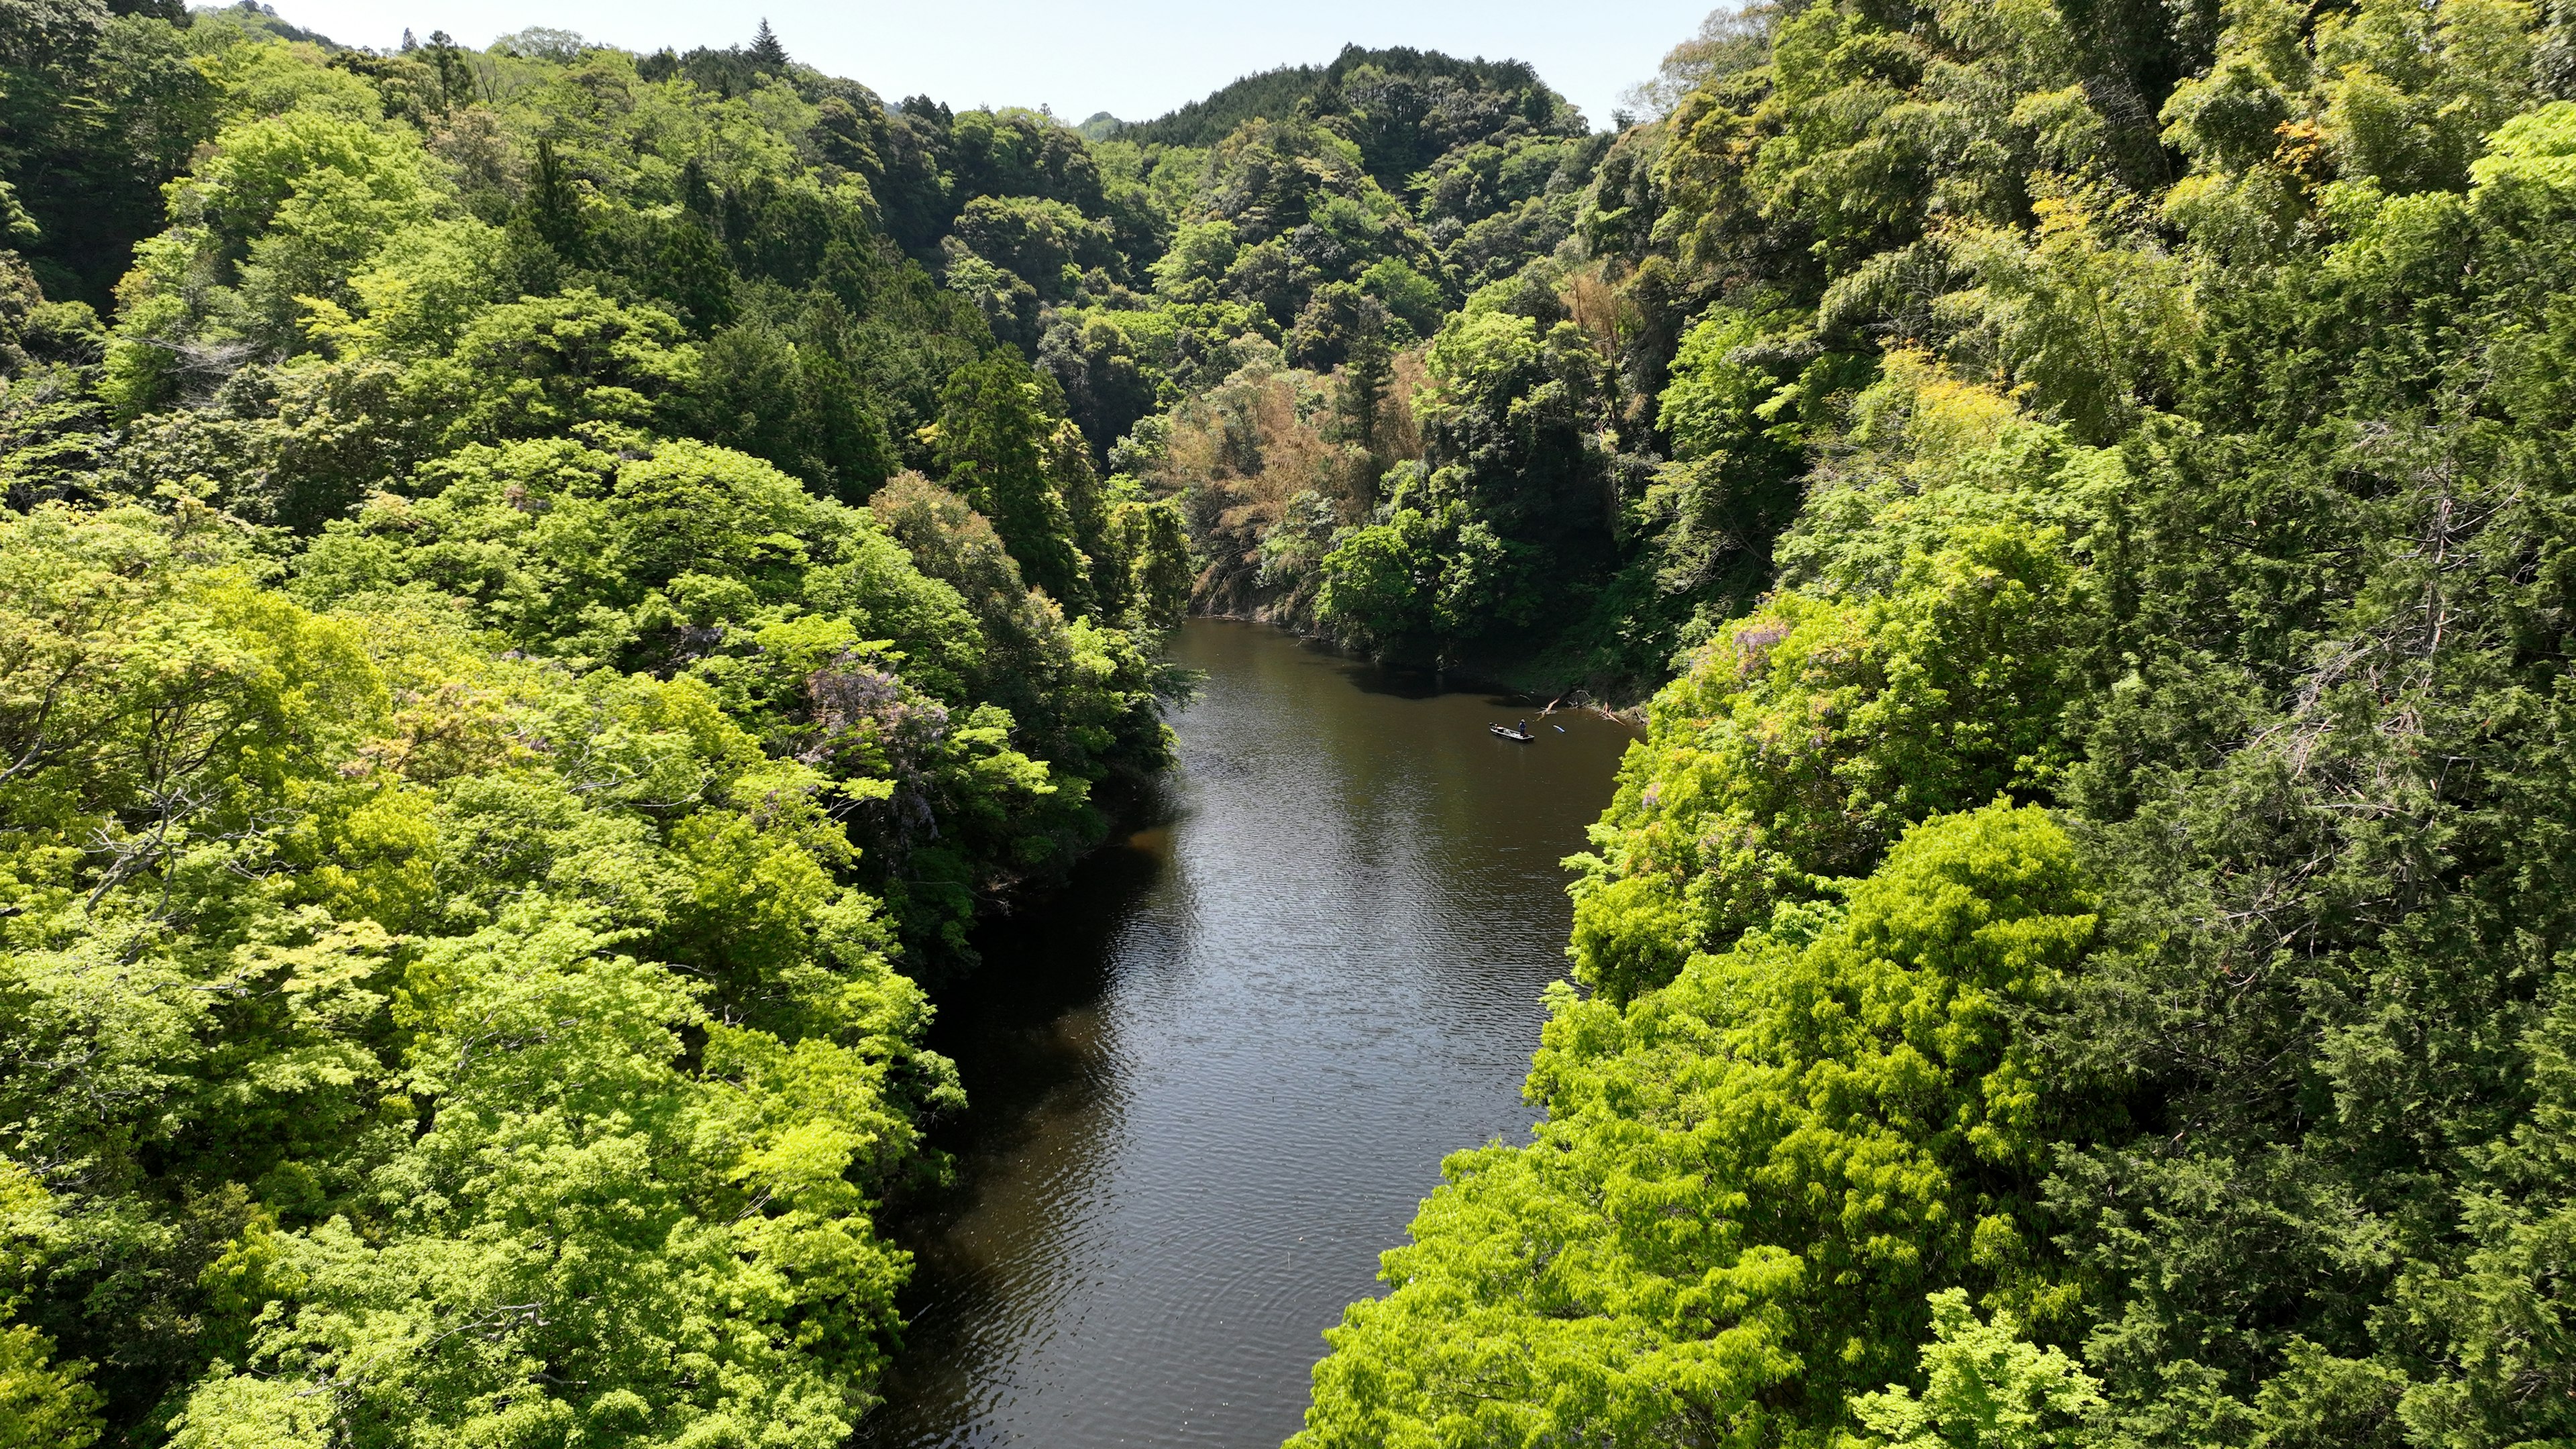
(1212, 1080)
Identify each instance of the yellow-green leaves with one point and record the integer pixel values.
(1810, 734)
(1986, 1387)
(2539, 146)
(582, 1209)
(543, 366)
(1746, 1181)
(43, 1400)
(282, 213)
(441, 992)
(391, 1021)
(2385, 97)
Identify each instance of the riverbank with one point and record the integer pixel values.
(1523, 676)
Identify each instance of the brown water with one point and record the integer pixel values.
(1211, 1082)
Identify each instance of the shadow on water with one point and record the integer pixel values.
(1211, 1079)
(1387, 680)
(1014, 1030)
(1024, 1032)
(1401, 681)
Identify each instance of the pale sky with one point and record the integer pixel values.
(1133, 58)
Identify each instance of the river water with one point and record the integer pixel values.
(1211, 1081)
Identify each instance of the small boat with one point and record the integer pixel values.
(1520, 733)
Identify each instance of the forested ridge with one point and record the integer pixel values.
(543, 589)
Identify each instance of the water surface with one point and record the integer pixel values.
(1212, 1080)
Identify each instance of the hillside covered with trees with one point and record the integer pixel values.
(2080, 957)
(543, 590)
(517, 652)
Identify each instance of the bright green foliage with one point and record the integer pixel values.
(547, 365)
(484, 563)
(574, 552)
(705, 563)
(43, 1401)
(1985, 1388)
(1744, 1183)
(1928, 456)
(681, 1250)
(286, 208)
(1731, 482)
(332, 968)
(1153, 538)
(1810, 734)
(467, 766)
(1712, 404)
(1431, 572)
(2382, 98)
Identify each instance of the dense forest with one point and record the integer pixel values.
(517, 655)
(2080, 955)
(544, 590)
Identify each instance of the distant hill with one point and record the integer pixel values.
(1100, 127)
(1277, 94)
(252, 15)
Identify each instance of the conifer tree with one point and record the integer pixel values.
(554, 207)
(1361, 403)
(993, 442)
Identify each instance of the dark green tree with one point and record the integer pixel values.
(454, 73)
(695, 277)
(1360, 403)
(554, 206)
(994, 443)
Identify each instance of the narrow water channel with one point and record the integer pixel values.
(1211, 1082)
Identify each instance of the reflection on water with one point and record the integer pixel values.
(1211, 1082)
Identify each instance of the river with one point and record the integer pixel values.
(1211, 1081)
